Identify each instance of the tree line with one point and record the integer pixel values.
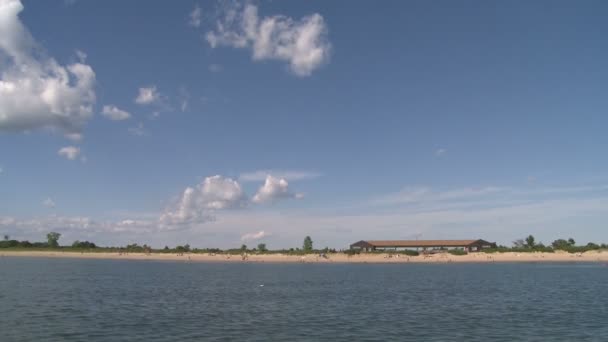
(528, 244)
(52, 242)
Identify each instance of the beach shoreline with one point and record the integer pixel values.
(383, 258)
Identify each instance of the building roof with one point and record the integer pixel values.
(420, 243)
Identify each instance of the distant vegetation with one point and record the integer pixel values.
(52, 243)
(529, 245)
(307, 246)
(457, 252)
(526, 245)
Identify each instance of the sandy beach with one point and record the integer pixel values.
(591, 256)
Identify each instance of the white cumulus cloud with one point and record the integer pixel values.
(274, 189)
(35, 90)
(254, 236)
(69, 152)
(115, 114)
(301, 43)
(147, 95)
(197, 203)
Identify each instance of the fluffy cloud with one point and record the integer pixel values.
(195, 16)
(302, 43)
(196, 204)
(274, 189)
(147, 95)
(36, 91)
(115, 114)
(440, 152)
(69, 152)
(254, 236)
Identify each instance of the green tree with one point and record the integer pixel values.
(147, 249)
(307, 246)
(530, 241)
(519, 243)
(243, 248)
(53, 239)
(6, 237)
(571, 242)
(560, 244)
(83, 244)
(262, 247)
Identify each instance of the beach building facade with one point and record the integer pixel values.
(425, 245)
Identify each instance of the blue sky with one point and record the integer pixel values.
(217, 123)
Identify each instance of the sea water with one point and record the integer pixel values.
(115, 300)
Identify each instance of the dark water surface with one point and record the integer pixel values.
(115, 300)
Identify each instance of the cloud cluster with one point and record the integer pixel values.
(197, 204)
(254, 236)
(115, 114)
(546, 212)
(424, 199)
(69, 152)
(301, 43)
(274, 189)
(36, 91)
(72, 224)
(147, 95)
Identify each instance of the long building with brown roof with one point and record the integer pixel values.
(468, 245)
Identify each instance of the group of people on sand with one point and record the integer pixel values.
(397, 256)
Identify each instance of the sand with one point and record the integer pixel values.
(592, 256)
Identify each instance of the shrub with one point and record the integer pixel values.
(457, 252)
(83, 244)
